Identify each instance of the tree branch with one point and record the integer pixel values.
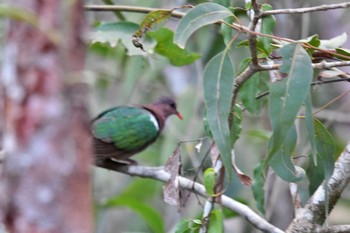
(134, 9)
(334, 229)
(303, 10)
(313, 214)
(158, 173)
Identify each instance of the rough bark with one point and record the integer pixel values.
(44, 184)
(312, 216)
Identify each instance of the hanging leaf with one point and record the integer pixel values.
(165, 47)
(112, 33)
(203, 14)
(209, 180)
(246, 180)
(236, 126)
(310, 127)
(325, 148)
(281, 163)
(171, 192)
(288, 95)
(258, 186)
(218, 89)
(183, 226)
(267, 26)
(325, 157)
(216, 221)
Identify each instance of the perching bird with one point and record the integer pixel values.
(123, 131)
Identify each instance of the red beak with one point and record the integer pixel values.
(179, 115)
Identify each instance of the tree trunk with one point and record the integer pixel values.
(44, 184)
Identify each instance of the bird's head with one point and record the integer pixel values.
(167, 107)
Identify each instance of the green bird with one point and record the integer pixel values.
(123, 131)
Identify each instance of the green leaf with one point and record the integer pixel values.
(258, 186)
(112, 33)
(165, 47)
(310, 127)
(263, 52)
(149, 214)
(248, 92)
(226, 30)
(342, 51)
(325, 157)
(281, 163)
(236, 126)
(325, 148)
(335, 42)
(288, 95)
(183, 226)
(218, 90)
(216, 222)
(209, 180)
(267, 26)
(203, 14)
(152, 18)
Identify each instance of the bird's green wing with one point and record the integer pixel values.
(128, 128)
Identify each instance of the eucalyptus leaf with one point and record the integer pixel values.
(201, 15)
(218, 90)
(258, 185)
(286, 98)
(267, 26)
(281, 163)
(288, 94)
(310, 127)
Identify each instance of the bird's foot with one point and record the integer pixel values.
(127, 162)
(112, 162)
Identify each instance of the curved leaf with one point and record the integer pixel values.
(288, 95)
(325, 157)
(258, 186)
(165, 47)
(218, 89)
(267, 26)
(203, 14)
(281, 163)
(209, 179)
(216, 221)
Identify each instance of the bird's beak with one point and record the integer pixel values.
(179, 115)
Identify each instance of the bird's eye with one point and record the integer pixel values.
(173, 105)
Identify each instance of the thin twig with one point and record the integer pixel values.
(303, 10)
(134, 9)
(312, 84)
(158, 173)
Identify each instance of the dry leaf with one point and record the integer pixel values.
(171, 191)
(246, 180)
